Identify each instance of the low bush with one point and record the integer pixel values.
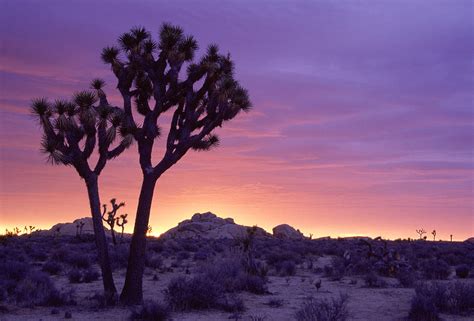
(407, 278)
(372, 280)
(38, 289)
(150, 311)
(197, 293)
(434, 269)
(452, 298)
(324, 310)
(74, 276)
(462, 271)
(52, 267)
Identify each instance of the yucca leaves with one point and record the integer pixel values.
(169, 36)
(49, 146)
(109, 54)
(188, 47)
(206, 143)
(97, 84)
(85, 98)
(40, 107)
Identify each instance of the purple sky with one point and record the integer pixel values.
(362, 122)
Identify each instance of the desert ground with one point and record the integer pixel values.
(54, 277)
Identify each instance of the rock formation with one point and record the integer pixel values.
(209, 226)
(285, 231)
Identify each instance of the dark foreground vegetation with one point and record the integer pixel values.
(216, 274)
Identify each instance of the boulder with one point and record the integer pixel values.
(209, 226)
(285, 231)
(70, 228)
(469, 240)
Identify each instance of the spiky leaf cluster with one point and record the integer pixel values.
(148, 74)
(72, 128)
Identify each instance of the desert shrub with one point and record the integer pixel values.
(324, 310)
(90, 275)
(453, 298)
(275, 303)
(372, 280)
(423, 309)
(336, 270)
(74, 276)
(231, 303)
(197, 293)
(154, 262)
(286, 268)
(38, 289)
(81, 261)
(435, 269)
(201, 255)
(119, 256)
(407, 278)
(150, 311)
(232, 276)
(183, 255)
(11, 272)
(52, 267)
(462, 271)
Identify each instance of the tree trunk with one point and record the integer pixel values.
(113, 234)
(101, 241)
(132, 293)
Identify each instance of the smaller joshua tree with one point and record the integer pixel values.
(149, 230)
(110, 219)
(420, 232)
(121, 221)
(434, 235)
(451, 236)
(79, 227)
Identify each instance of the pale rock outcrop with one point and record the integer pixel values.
(285, 231)
(70, 228)
(209, 226)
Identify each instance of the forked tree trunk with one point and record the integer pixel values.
(132, 292)
(101, 241)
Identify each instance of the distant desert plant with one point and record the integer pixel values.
(434, 235)
(110, 216)
(420, 233)
(334, 309)
(121, 222)
(150, 311)
(79, 228)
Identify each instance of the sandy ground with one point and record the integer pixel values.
(364, 304)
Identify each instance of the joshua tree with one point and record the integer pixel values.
(420, 232)
(434, 235)
(71, 132)
(79, 227)
(204, 99)
(111, 219)
(149, 230)
(31, 228)
(451, 237)
(121, 221)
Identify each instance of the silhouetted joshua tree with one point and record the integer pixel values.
(111, 219)
(121, 221)
(204, 99)
(79, 227)
(434, 235)
(420, 232)
(71, 132)
(451, 237)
